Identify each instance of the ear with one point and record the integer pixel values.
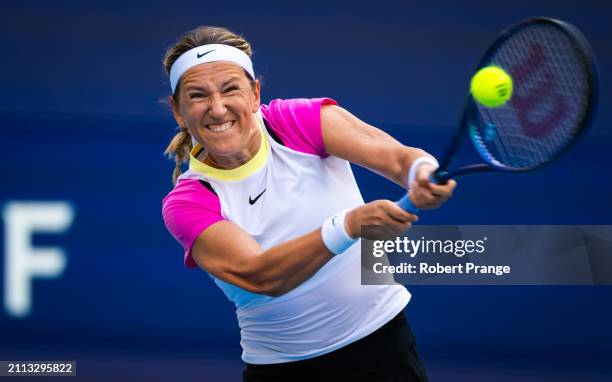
(177, 116)
(257, 101)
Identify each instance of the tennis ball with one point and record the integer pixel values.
(491, 86)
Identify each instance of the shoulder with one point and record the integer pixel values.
(297, 122)
(190, 194)
(296, 107)
(190, 208)
(196, 191)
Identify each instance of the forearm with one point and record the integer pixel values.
(285, 266)
(347, 137)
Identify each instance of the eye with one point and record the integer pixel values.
(195, 95)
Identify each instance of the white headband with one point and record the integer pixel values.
(208, 53)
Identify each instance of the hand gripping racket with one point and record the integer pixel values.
(553, 102)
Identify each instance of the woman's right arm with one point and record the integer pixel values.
(229, 253)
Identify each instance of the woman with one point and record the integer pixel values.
(270, 209)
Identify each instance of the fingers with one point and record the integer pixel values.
(424, 199)
(428, 195)
(398, 221)
(384, 219)
(387, 231)
(423, 181)
(397, 213)
(443, 190)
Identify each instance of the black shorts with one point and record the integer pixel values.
(387, 355)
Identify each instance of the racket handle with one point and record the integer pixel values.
(406, 204)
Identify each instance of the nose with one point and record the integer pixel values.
(217, 106)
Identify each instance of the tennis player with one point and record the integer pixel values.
(270, 209)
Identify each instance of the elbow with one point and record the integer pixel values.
(278, 290)
(259, 281)
(249, 273)
(270, 288)
(274, 292)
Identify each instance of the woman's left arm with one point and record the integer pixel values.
(347, 137)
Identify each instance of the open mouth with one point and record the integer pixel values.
(220, 127)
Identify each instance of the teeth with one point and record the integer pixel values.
(219, 128)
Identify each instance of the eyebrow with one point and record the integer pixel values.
(190, 87)
(204, 89)
(229, 82)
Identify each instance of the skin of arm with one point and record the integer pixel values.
(231, 254)
(347, 137)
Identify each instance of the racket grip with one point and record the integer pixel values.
(406, 204)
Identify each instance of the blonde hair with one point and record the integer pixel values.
(180, 146)
(179, 149)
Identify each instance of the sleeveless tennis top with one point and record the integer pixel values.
(285, 191)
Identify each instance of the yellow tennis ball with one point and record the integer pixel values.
(491, 86)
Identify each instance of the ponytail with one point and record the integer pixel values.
(179, 149)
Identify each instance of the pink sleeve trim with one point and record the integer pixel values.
(188, 210)
(297, 122)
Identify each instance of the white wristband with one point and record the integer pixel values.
(415, 166)
(334, 235)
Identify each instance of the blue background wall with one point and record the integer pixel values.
(81, 121)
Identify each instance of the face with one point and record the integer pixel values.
(216, 103)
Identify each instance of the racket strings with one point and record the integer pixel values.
(529, 149)
(551, 97)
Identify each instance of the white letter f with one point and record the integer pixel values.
(23, 261)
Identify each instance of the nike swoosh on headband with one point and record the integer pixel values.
(200, 55)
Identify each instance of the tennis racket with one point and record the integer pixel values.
(553, 102)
